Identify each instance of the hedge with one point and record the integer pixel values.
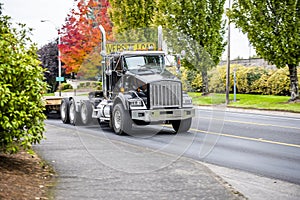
(21, 88)
(249, 80)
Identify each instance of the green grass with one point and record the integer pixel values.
(267, 102)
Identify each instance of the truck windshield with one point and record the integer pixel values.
(145, 63)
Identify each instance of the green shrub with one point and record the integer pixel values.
(65, 86)
(254, 80)
(81, 85)
(196, 83)
(217, 79)
(184, 75)
(99, 86)
(94, 84)
(241, 79)
(261, 86)
(21, 88)
(246, 78)
(279, 82)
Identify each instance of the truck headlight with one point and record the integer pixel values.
(187, 101)
(136, 104)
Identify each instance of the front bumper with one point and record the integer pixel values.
(162, 114)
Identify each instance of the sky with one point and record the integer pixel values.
(31, 12)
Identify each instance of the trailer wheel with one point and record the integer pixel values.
(181, 126)
(64, 111)
(121, 120)
(73, 115)
(86, 112)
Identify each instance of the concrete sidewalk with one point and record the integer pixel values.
(94, 167)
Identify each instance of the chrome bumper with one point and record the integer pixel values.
(162, 114)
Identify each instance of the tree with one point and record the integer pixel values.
(81, 35)
(131, 14)
(48, 55)
(133, 20)
(273, 28)
(21, 88)
(200, 24)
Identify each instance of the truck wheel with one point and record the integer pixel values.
(121, 120)
(86, 112)
(73, 115)
(181, 126)
(64, 111)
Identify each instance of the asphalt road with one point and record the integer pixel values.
(263, 144)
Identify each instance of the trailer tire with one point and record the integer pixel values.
(181, 126)
(86, 112)
(121, 120)
(64, 111)
(74, 116)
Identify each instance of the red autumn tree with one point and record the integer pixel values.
(80, 36)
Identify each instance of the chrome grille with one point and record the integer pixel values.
(165, 94)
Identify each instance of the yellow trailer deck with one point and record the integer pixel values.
(52, 103)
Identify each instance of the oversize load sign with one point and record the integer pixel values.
(117, 47)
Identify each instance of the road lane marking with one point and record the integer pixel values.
(252, 123)
(247, 138)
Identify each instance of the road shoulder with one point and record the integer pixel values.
(256, 187)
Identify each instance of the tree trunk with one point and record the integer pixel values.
(293, 82)
(204, 81)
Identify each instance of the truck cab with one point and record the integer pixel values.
(138, 89)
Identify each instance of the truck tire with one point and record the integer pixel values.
(64, 111)
(73, 115)
(181, 126)
(86, 112)
(121, 120)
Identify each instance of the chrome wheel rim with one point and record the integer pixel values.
(63, 111)
(117, 119)
(72, 112)
(83, 113)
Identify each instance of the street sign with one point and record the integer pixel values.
(61, 79)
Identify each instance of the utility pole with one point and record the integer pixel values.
(228, 61)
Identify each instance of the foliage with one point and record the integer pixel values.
(252, 80)
(197, 28)
(131, 14)
(65, 86)
(246, 78)
(273, 28)
(81, 36)
(21, 88)
(183, 78)
(217, 79)
(133, 20)
(48, 55)
(278, 82)
(90, 68)
(261, 86)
